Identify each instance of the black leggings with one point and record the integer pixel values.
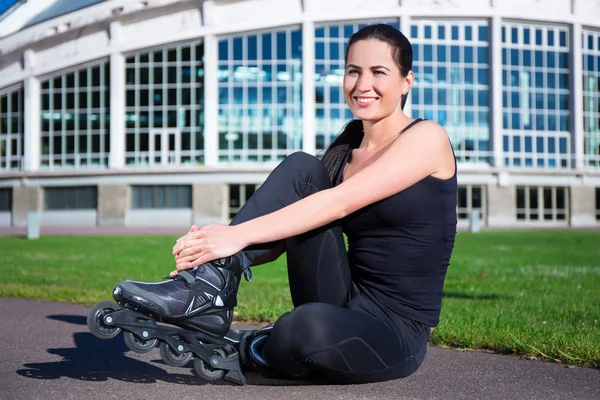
(334, 328)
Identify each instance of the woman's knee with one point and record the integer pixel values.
(310, 168)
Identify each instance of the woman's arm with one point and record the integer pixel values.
(419, 152)
(422, 151)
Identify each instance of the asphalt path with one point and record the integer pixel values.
(47, 352)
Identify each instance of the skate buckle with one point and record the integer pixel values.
(248, 274)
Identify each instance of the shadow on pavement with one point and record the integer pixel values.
(94, 359)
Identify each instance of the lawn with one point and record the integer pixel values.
(528, 293)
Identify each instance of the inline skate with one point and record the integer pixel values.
(187, 317)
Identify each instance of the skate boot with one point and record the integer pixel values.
(199, 302)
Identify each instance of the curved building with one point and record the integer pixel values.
(171, 112)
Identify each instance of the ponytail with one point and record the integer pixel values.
(349, 139)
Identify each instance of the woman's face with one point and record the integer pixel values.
(373, 86)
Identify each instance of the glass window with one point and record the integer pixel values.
(161, 196)
(165, 106)
(70, 198)
(591, 99)
(457, 94)
(238, 195)
(470, 200)
(542, 204)
(5, 199)
(11, 129)
(538, 93)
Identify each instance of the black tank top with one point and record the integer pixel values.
(399, 248)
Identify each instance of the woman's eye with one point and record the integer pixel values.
(378, 73)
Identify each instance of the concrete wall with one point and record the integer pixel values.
(113, 202)
(210, 204)
(501, 206)
(78, 218)
(25, 199)
(5, 219)
(583, 206)
(160, 218)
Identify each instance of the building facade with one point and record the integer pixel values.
(171, 112)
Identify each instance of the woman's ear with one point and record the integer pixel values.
(408, 82)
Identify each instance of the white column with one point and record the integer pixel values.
(117, 100)
(32, 115)
(577, 96)
(117, 111)
(405, 29)
(496, 90)
(211, 100)
(308, 88)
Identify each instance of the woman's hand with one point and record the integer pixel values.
(209, 243)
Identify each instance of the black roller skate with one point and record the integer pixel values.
(199, 302)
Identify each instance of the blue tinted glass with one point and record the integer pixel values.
(539, 144)
(455, 54)
(526, 36)
(504, 78)
(442, 74)
(266, 47)
(238, 95)
(539, 80)
(527, 58)
(504, 57)
(334, 31)
(564, 120)
(297, 44)
(414, 31)
(469, 101)
(223, 50)
(503, 35)
(469, 118)
(482, 55)
(482, 76)
(416, 96)
(514, 33)
(238, 54)
(348, 31)
(455, 33)
(442, 97)
(551, 59)
(441, 32)
(252, 48)
(562, 143)
(538, 37)
(428, 74)
(551, 122)
(551, 101)
(551, 145)
(516, 143)
(334, 50)
(441, 119)
(539, 58)
(252, 95)
(428, 96)
(468, 33)
(539, 101)
(469, 75)
(514, 100)
(540, 122)
(504, 99)
(281, 95)
(505, 143)
(428, 114)
(416, 53)
(550, 38)
(483, 120)
(551, 80)
(483, 33)
(482, 98)
(319, 51)
(528, 144)
(334, 93)
(441, 53)
(590, 63)
(223, 96)
(514, 57)
(516, 121)
(563, 60)
(428, 52)
(281, 46)
(563, 102)
(514, 78)
(505, 121)
(469, 54)
(427, 32)
(563, 39)
(320, 32)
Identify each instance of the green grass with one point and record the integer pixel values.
(527, 293)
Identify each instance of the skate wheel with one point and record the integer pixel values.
(206, 371)
(95, 320)
(170, 357)
(138, 345)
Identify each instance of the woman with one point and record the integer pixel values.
(389, 183)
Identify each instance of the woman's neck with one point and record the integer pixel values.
(378, 134)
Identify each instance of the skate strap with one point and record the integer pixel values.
(187, 276)
(247, 274)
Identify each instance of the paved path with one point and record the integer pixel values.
(47, 353)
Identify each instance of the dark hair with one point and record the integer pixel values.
(352, 133)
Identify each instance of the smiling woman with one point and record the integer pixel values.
(361, 315)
